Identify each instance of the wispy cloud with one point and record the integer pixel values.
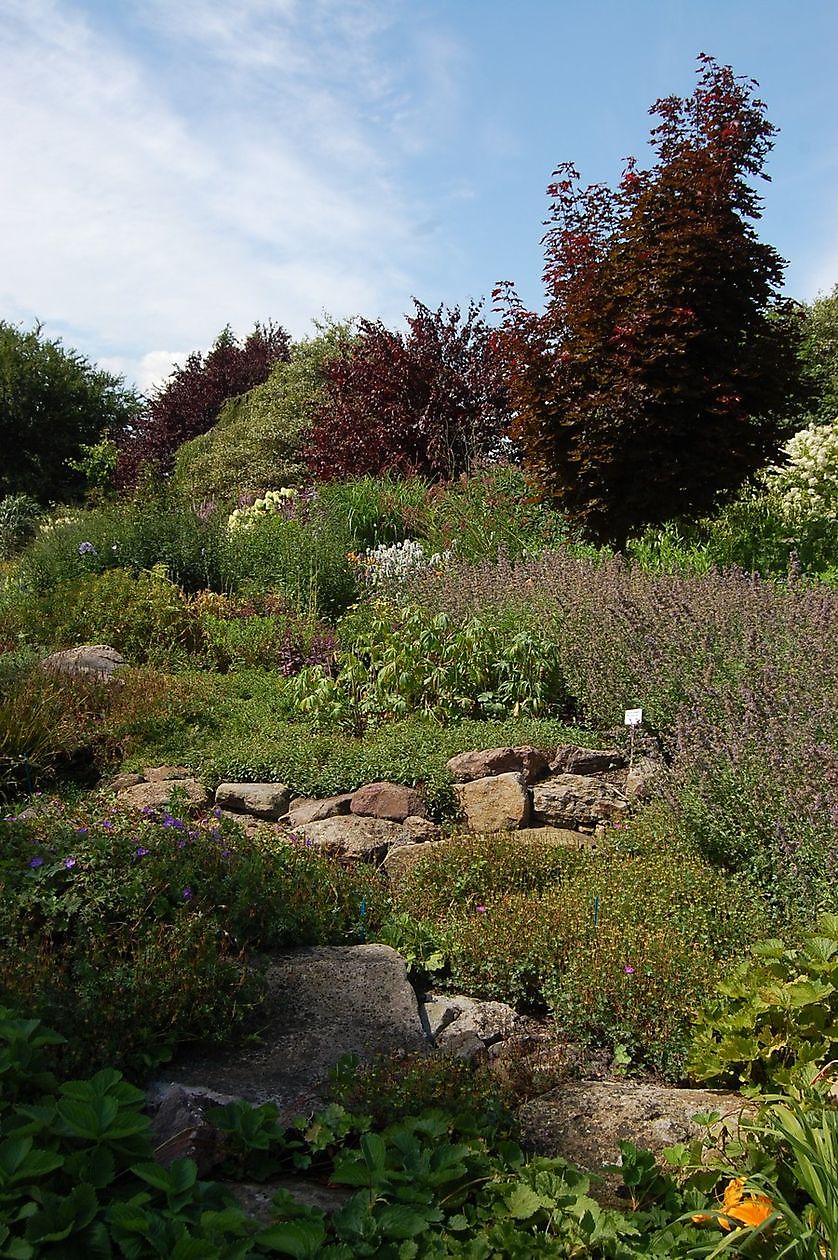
(178, 167)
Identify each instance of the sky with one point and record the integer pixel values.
(175, 166)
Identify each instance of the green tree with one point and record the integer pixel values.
(53, 402)
(820, 354)
(259, 440)
(664, 370)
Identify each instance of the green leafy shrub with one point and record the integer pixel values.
(259, 632)
(774, 1016)
(18, 514)
(144, 617)
(404, 660)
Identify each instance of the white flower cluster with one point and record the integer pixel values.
(397, 561)
(263, 509)
(809, 481)
(57, 522)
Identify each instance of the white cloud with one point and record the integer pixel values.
(241, 172)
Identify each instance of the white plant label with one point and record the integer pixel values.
(633, 717)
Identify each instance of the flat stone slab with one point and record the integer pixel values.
(529, 762)
(576, 801)
(499, 802)
(93, 660)
(583, 1121)
(352, 838)
(261, 800)
(321, 1004)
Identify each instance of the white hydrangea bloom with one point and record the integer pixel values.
(262, 509)
(809, 481)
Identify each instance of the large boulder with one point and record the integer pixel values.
(571, 759)
(498, 803)
(261, 800)
(577, 801)
(320, 1004)
(529, 762)
(351, 838)
(583, 1121)
(401, 859)
(393, 801)
(92, 660)
(159, 795)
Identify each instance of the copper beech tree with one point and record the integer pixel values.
(664, 369)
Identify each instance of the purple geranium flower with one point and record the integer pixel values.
(87, 549)
(141, 852)
(69, 863)
(187, 893)
(35, 862)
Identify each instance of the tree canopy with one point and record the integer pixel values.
(664, 369)
(53, 402)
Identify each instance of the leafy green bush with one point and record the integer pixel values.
(774, 1016)
(145, 617)
(131, 930)
(18, 514)
(403, 660)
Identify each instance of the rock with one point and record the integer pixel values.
(641, 778)
(159, 795)
(571, 759)
(351, 838)
(262, 800)
(320, 1004)
(251, 826)
(393, 801)
(499, 803)
(255, 1198)
(92, 660)
(181, 1131)
(159, 774)
(402, 858)
(488, 1021)
(304, 810)
(123, 781)
(583, 1121)
(529, 762)
(558, 837)
(421, 830)
(576, 801)
(437, 1011)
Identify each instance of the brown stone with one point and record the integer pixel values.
(159, 774)
(351, 838)
(529, 762)
(126, 780)
(571, 759)
(576, 801)
(304, 810)
(158, 795)
(498, 803)
(402, 858)
(393, 801)
(261, 800)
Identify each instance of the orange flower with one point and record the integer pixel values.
(750, 1209)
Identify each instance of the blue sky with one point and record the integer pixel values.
(171, 166)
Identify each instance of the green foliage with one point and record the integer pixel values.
(774, 1016)
(131, 932)
(820, 353)
(140, 616)
(52, 403)
(18, 515)
(258, 441)
(402, 660)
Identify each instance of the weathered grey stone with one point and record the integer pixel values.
(251, 825)
(304, 810)
(576, 801)
(158, 795)
(180, 1128)
(351, 838)
(94, 660)
(262, 800)
(529, 762)
(159, 774)
(498, 803)
(320, 1004)
(490, 1021)
(255, 1198)
(583, 1121)
(393, 801)
(641, 777)
(402, 858)
(571, 759)
(421, 830)
(122, 781)
(437, 1011)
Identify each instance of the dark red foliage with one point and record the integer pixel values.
(664, 369)
(429, 402)
(189, 402)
